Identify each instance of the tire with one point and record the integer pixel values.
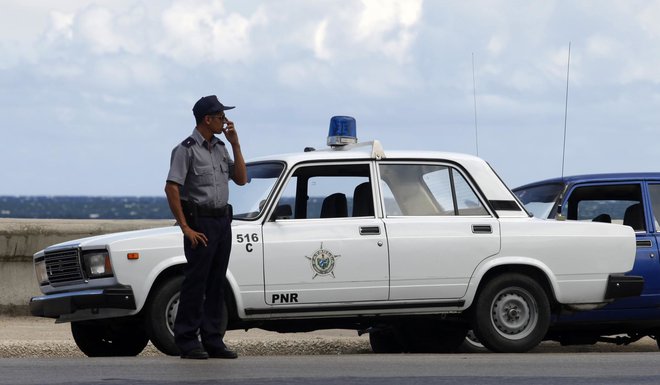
(161, 312)
(433, 336)
(512, 314)
(385, 340)
(110, 337)
(471, 344)
(420, 336)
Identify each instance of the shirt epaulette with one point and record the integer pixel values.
(188, 142)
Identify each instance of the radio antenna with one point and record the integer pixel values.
(474, 89)
(568, 71)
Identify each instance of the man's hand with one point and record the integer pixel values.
(194, 237)
(230, 132)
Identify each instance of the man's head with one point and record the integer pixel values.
(208, 105)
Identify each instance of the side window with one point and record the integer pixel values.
(619, 203)
(654, 190)
(466, 200)
(413, 189)
(332, 191)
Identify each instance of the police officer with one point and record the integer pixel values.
(197, 193)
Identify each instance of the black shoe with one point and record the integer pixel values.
(195, 354)
(222, 353)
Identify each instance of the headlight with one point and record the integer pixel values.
(40, 270)
(97, 264)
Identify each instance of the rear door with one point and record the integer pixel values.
(438, 229)
(623, 203)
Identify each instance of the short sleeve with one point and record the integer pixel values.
(178, 165)
(230, 164)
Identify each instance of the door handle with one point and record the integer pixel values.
(369, 230)
(482, 229)
(644, 243)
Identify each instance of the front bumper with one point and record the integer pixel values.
(55, 305)
(619, 286)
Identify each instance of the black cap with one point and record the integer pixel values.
(208, 105)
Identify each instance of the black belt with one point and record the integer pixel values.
(202, 211)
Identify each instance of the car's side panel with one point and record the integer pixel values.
(157, 249)
(579, 255)
(353, 267)
(434, 256)
(245, 272)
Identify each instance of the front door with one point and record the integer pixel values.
(325, 244)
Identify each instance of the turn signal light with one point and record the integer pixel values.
(133, 255)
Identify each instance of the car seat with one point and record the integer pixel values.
(634, 217)
(363, 202)
(605, 218)
(334, 206)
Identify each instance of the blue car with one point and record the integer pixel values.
(631, 199)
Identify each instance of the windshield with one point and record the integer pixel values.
(249, 201)
(540, 200)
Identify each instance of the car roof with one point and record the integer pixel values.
(605, 177)
(365, 150)
(487, 180)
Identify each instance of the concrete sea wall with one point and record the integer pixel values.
(21, 238)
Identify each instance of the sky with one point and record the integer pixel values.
(95, 94)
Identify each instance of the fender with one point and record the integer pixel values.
(236, 291)
(142, 292)
(490, 263)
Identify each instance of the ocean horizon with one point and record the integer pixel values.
(84, 207)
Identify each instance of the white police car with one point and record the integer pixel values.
(415, 248)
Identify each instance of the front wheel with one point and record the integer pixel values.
(110, 337)
(161, 312)
(512, 314)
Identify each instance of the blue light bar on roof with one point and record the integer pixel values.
(342, 131)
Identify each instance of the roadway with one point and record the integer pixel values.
(543, 368)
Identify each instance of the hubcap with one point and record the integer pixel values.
(514, 313)
(170, 312)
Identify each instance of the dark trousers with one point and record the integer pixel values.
(202, 290)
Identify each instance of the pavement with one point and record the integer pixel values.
(42, 337)
(33, 337)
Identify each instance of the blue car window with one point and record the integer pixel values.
(654, 190)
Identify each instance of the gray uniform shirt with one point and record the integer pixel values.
(202, 173)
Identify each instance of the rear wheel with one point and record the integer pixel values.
(110, 337)
(418, 336)
(471, 344)
(386, 340)
(433, 336)
(512, 314)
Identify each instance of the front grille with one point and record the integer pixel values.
(63, 266)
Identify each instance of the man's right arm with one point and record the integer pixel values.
(174, 201)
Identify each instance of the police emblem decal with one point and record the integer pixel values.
(323, 262)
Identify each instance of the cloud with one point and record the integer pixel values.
(202, 31)
(320, 50)
(105, 32)
(389, 26)
(61, 26)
